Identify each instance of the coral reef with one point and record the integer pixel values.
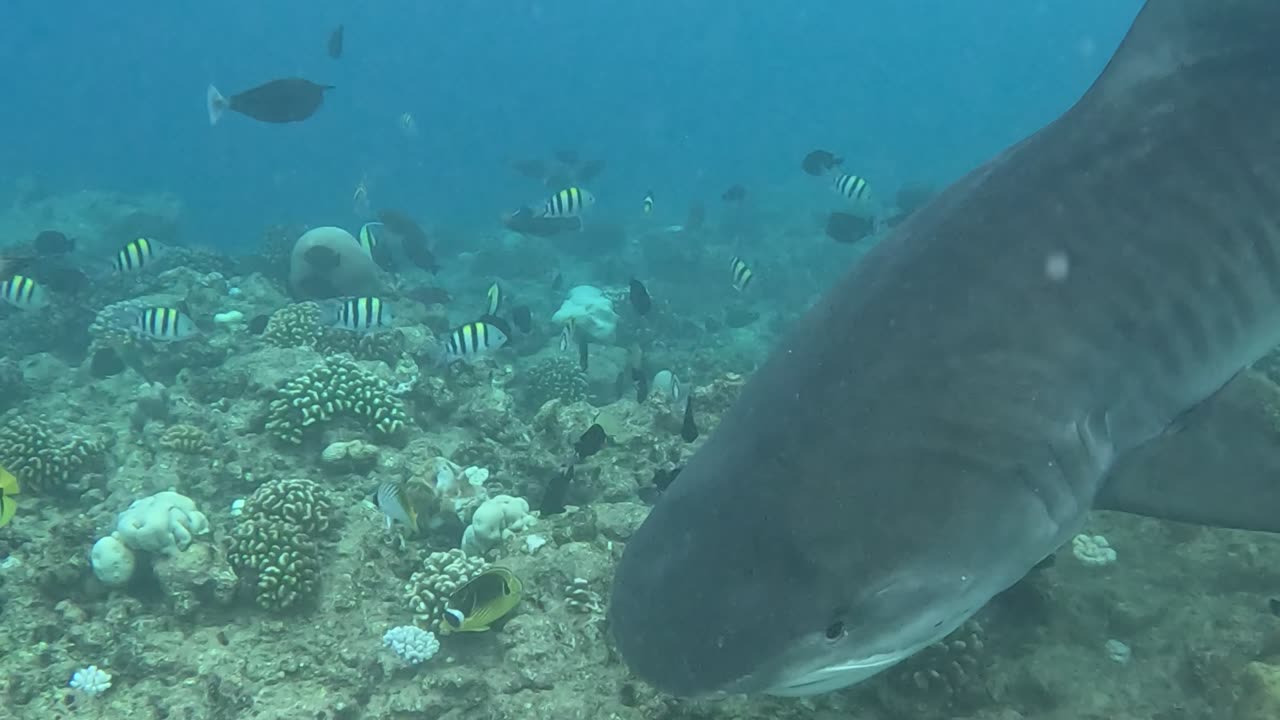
(337, 388)
(41, 461)
(429, 589)
(294, 325)
(301, 325)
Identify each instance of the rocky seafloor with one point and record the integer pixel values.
(303, 424)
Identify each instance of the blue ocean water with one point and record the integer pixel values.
(684, 98)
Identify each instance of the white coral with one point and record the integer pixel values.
(498, 518)
(162, 523)
(91, 680)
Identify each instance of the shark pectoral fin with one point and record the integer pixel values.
(1221, 465)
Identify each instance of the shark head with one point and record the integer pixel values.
(718, 594)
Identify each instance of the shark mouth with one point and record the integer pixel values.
(833, 677)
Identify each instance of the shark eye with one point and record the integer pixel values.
(835, 630)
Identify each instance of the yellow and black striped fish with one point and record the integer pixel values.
(741, 273)
(494, 297)
(569, 202)
(22, 292)
(8, 488)
(367, 239)
(363, 314)
(136, 254)
(852, 187)
(648, 203)
(482, 601)
(167, 324)
(472, 340)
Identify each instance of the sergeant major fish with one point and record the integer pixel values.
(136, 254)
(362, 315)
(471, 341)
(23, 293)
(569, 202)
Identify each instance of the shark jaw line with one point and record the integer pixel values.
(837, 676)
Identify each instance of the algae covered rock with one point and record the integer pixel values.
(335, 389)
(1259, 697)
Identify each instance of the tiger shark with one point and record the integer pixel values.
(1065, 328)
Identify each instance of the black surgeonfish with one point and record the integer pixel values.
(557, 492)
(819, 162)
(689, 429)
(335, 43)
(53, 242)
(847, 228)
(639, 297)
(591, 442)
(522, 318)
(413, 239)
(279, 101)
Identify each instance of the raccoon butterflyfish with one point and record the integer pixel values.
(482, 601)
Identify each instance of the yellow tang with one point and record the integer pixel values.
(8, 488)
(482, 601)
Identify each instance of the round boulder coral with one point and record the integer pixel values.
(328, 262)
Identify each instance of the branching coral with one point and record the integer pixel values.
(42, 462)
(299, 501)
(274, 547)
(187, 439)
(948, 675)
(555, 377)
(277, 559)
(334, 389)
(303, 325)
(442, 573)
(294, 325)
